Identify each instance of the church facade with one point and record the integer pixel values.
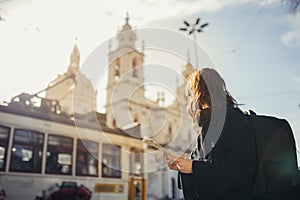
(127, 106)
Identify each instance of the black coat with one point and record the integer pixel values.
(230, 173)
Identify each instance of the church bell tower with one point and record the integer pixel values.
(125, 75)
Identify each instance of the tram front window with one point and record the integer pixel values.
(136, 163)
(27, 151)
(111, 161)
(59, 155)
(4, 132)
(86, 159)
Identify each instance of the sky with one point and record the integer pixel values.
(255, 44)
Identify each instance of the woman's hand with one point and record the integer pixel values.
(179, 163)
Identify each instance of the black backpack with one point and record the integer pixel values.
(277, 175)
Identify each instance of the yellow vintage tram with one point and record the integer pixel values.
(43, 150)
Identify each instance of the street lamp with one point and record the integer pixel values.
(193, 29)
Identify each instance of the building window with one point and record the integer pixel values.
(114, 123)
(169, 136)
(27, 151)
(4, 136)
(59, 155)
(117, 72)
(117, 69)
(111, 161)
(170, 129)
(134, 71)
(134, 63)
(87, 157)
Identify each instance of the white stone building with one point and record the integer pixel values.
(126, 104)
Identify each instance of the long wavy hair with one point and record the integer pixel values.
(200, 96)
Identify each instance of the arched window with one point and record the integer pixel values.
(134, 66)
(170, 129)
(169, 132)
(117, 69)
(117, 72)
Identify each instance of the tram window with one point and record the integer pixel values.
(27, 151)
(136, 162)
(4, 133)
(86, 160)
(59, 155)
(111, 161)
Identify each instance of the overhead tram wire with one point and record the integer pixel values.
(272, 94)
(246, 32)
(51, 86)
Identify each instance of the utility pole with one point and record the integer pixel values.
(192, 29)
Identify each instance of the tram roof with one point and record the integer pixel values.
(92, 120)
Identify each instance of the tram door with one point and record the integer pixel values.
(137, 189)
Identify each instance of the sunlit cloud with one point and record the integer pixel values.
(297, 79)
(172, 8)
(292, 37)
